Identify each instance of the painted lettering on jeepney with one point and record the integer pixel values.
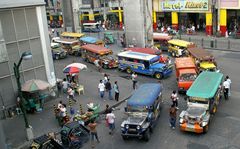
(197, 5)
(172, 6)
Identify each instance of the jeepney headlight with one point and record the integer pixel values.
(126, 126)
(138, 127)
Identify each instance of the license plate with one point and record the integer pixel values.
(132, 129)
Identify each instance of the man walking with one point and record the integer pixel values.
(226, 86)
(101, 89)
(174, 98)
(116, 89)
(173, 116)
(108, 87)
(111, 121)
(93, 132)
(134, 77)
(71, 94)
(230, 82)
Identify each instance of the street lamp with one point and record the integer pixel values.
(24, 56)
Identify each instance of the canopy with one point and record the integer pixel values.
(145, 95)
(74, 68)
(35, 85)
(181, 43)
(98, 49)
(201, 54)
(88, 39)
(206, 85)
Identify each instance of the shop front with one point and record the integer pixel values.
(229, 16)
(183, 14)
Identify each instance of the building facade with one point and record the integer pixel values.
(205, 15)
(23, 27)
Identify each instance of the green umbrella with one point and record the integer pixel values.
(35, 85)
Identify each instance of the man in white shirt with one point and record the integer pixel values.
(111, 121)
(65, 85)
(230, 82)
(226, 86)
(134, 77)
(101, 88)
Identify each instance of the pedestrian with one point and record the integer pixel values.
(116, 89)
(98, 64)
(71, 94)
(173, 116)
(65, 85)
(93, 132)
(108, 87)
(230, 82)
(59, 88)
(106, 77)
(111, 121)
(174, 98)
(60, 104)
(134, 80)
(101, 88)
(226, 86)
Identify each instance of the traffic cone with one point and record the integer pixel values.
(55, 109)
(81, 109)
(70, 103)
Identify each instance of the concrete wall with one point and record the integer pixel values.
(138, 22)
(68, 15)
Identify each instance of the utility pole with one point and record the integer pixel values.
(218, 14)
(104, 10)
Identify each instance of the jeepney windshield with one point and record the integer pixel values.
(187, 77)
(137, 109)
(154, 61)
(198, 100)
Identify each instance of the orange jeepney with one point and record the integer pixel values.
(91, 53)
(186, 73)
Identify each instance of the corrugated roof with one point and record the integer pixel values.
(20, 3)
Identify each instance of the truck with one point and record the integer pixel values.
(202, 101)
(186, 73)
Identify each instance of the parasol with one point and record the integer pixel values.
(35, 85)
(74, 68)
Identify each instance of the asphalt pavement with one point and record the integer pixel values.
(224, 131)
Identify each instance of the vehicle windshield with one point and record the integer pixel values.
(137, 109)
(187, 77)
(198, 100)
(154, 61)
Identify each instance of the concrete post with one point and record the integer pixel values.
(68, 15)
(138, 22)
(2, 138)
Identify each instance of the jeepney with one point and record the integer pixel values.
(186, 73)
(202, 100)
(90, 40)
(57, 51)
(204, 60)
(160, 41)
(162, 59)
(91, 52)
(142, 110)
(72, 46)
(91, 27)
(178, 47)
(143, 63)
(72, 35)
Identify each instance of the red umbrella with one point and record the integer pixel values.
(74, 68)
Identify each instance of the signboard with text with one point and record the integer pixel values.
(185, 5)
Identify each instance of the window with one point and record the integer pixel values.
(146, 64)
(3, 50)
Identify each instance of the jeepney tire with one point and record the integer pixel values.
(158, 75)
(147, 135)
(205, 128)
(125, 137)
(57, 57)
(214, 109)
(105, 66)
(128, 70)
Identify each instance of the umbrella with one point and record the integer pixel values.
(35, 85)
(74, 68)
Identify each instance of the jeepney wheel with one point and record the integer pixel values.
(129, 70)
(158, 75)
(205, 129)
(147, 135)
(124, 137)
(105, 66)
(214, 110)
(57, 57)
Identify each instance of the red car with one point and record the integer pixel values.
(163, 59)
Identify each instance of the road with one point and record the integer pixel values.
(224, 131)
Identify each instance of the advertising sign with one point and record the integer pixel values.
(185, 5)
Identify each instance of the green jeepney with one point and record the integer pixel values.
(203, 99)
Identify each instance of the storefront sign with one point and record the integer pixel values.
(230, 4)
(186, 5)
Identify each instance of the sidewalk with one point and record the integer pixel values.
(45, 121)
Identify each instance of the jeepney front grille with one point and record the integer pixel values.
(192, 120)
